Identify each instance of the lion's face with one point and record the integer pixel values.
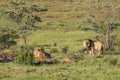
(86, 43)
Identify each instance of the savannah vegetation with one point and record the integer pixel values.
(59, 28)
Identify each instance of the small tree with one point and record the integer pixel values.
(25, 57)
(18, 12)
(103, 19)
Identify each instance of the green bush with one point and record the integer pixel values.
(25, 57)
(61, 24)
(64, 49)
(113, 61)
(54, 50)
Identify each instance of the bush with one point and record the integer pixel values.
(61, 24)
(54, 50)
(25, 57)
(64, 49)
(113, 61)
(42, 48)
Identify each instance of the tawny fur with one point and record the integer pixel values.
(38, 54)
(91, 46)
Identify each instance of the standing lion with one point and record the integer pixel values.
(91, 46)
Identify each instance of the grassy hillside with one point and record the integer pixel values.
(63, 14)
(61, 23)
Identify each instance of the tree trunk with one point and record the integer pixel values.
(24, 41)
(108, 38)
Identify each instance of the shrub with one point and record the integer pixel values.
(61, 24)
(42, 48)
(54, 44)
(64, 49)
(25, 57)
(46, 23)
(113, 61)
(54, 50)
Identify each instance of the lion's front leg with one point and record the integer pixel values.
(99, 52)
(92, 51)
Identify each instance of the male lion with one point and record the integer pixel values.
(91, 46)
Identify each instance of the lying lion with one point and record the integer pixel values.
(39, 54)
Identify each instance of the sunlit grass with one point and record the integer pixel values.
(71, 39)
(89, 68)
(61, 24)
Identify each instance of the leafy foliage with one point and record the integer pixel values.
(65, 49)
(25, 57)
(22, 15)
(113, 62)
(7, 38)
(103, 19)
(54, 50)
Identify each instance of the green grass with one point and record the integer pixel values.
(89, 68)
(72, 39)
(60, 24)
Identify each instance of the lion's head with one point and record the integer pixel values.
(87, 43)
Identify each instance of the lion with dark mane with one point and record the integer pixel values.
(91, 46)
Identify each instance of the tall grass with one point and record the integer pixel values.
(89, 68)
